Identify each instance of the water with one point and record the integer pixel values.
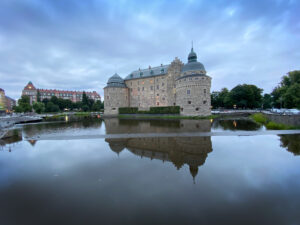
(168, 180)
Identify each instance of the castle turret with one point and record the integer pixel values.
(193, 88)
(115, 95)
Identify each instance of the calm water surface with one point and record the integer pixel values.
(170, 180)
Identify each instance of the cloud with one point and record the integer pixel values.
(78, 45)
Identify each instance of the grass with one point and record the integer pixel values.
(82, 113)
(168, 117)
(270, 125)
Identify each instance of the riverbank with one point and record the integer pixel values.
(269, 122)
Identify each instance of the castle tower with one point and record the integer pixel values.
(115, 95)
(193, 88)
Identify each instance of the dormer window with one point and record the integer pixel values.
(151, 72)
(131, 75)
(162, 70)
(141, 74)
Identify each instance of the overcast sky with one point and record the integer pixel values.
(78, 45)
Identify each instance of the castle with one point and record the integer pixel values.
(176, 84)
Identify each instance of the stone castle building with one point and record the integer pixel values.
(176, 84)
(75, 96)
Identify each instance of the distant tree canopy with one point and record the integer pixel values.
(242, 96)
(58, 104)
(23, 105)
(287, 93)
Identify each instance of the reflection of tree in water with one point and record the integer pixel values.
(192, 151)
(291, 142)
(56, 127)
(238, 124)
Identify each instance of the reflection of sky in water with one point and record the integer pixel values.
(241, 177)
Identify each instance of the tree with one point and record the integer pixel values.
(38, 96)
(219, 98)
(287, 93)
(246, 96)
(51, 107)
(24, 104)
(39, 107)
(267, 101)
(96, 106)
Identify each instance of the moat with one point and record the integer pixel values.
(94, 172)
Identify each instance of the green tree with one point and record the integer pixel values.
(39, 107)
(287, 94)
(267, 101)
(51, 107)
(38, 96)
(24, 104)
(246, 96)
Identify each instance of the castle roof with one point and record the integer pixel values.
(29, 86)
(115, 81)
(192, 64)
(150, 72)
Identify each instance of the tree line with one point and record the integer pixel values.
(285, 95)
(55, 104)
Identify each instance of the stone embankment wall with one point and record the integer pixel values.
(292, 120)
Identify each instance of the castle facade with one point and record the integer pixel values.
(176, 84)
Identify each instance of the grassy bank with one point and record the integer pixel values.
(270, 125)
(167, 117)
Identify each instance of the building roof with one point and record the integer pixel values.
(1, 90)
(11, 99)
(29, 86)
(150, 72)
(192, 64)
(115, 81)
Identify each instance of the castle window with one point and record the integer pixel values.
(157, 87)
(174, 103)
(142, 88)
(197, 109)
(196, 78)
(157, 103)
(157, 94)
(204, 91)
(204, 102)
(131, 89)
(107, 97)
(189, 102)
(151, 88)
(138, 88)
(163, 84)
(163, 98)
(188, 92)
(181, 111)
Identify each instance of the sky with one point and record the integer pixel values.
(78, 45)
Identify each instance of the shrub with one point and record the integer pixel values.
(277, 126)
(165, 110)
(259, 118)
(128, 110)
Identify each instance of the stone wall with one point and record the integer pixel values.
(115, 97)
(291, 120)
(193, 95)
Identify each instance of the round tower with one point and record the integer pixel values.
(193, 88)
(115, 95)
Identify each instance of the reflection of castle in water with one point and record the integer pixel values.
(192, 151)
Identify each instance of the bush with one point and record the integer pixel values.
(165, 110)
(128, 110)
(153, 110)
(259, 118)
(277, 126)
